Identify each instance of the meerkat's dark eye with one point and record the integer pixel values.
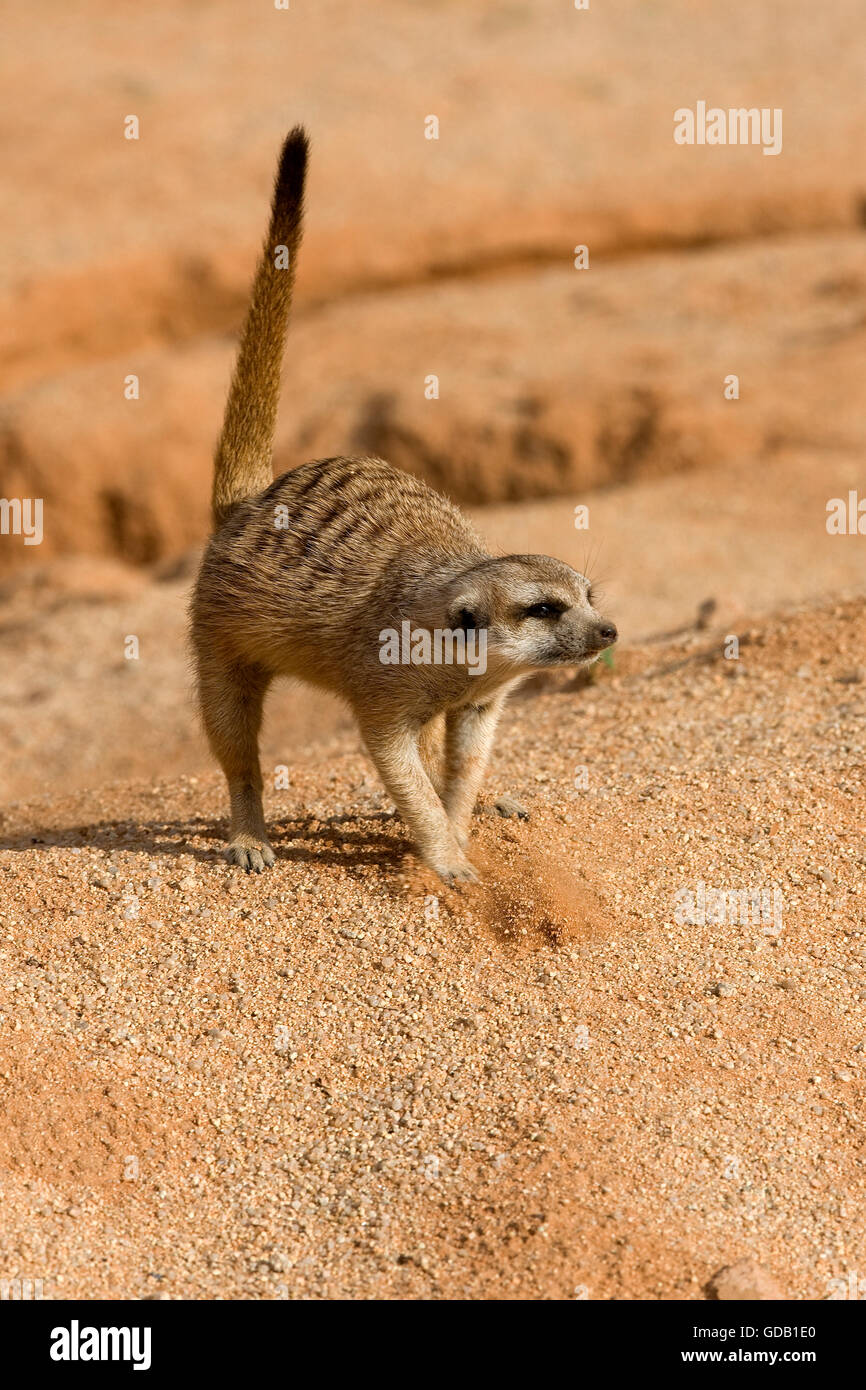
(545, 610)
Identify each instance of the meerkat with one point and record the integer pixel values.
(304, 574)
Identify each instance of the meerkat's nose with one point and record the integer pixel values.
(607, 633)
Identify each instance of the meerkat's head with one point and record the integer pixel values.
(537, 612)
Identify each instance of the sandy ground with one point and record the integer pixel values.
(339, 1079)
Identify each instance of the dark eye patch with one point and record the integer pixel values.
(545, 610)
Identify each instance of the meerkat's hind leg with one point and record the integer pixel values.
(231, 705)
(394, 748)
(469, 733)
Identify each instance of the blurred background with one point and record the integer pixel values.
(453, 257)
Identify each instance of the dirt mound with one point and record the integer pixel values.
(527, 897)
(551, 383)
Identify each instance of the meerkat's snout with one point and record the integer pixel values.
(605, 634)
(575, 636)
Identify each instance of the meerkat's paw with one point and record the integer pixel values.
(453, 867)
(250, 853)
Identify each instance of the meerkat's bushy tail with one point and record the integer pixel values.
(243, 461)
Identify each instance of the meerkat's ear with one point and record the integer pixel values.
(467, 610)
(462, 602)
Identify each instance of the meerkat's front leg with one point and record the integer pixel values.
(394, 748)
(431, 746)
(469, 733)
(231, 705)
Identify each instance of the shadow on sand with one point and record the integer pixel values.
(354, 841)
